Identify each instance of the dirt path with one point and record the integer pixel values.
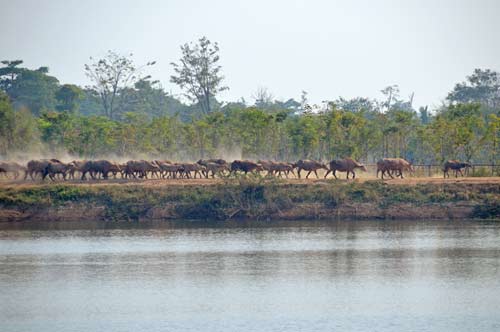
(5, 183)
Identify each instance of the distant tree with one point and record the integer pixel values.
(391, 92)
(263, 97)
(356, 104)
(424, 115)
(198, 72)
(483, 86)
(110, 75)
(68, 98)
(33, 89)
(8, 74)
(6, 123)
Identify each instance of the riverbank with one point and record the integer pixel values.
(250, 198)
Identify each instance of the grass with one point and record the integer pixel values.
(252, 197)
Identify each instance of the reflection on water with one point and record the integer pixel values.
(300, 276)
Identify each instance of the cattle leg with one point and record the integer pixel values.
(328, 172)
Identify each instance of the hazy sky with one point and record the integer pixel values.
(328, 48)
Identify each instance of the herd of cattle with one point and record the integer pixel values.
(165, 169)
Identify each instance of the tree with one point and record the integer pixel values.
(198, 72)
(6, 123)
(483, 86)
(110, 75)
(33, 89)
(263, 97)
(8, 74)
(68, 98)
(392, 93)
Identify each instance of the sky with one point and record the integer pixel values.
(327, 48)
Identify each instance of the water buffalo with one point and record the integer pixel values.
(245, 166)
(76, 166)
(390, 165)
(310, 166)
(277, 168)
(456, 166)
(215, 161)
(57, 167)
(99, 167)
(12, 167)
(187, 168)
(344, 165)
(283, 167)
(215, 168)
(141, 168)
(38, 167)
(267, 165)
(169, 169)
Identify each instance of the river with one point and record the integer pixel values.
(279, 276)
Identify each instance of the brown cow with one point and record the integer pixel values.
(141, 168)
(216, 161)
(344, 165)
(99, 167)
(309, 165)
(390, 165)
(187, 168)
(268, 166)
(456, 166)
(77, 165)
(38, 167)
(56, 167)
(168, 169)
(11, 167)
(245, 166)
(215, 168)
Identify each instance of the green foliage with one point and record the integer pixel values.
(126, 113)
(198, 72)
(251, 197)
(111, 76)
(68, 98)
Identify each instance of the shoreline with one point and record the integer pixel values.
(247, 199)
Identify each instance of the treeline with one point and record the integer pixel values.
(38, 114)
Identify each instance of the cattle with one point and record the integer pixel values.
(215, 168)
(216, 161)
(456, 166)
(56, 167)
(310, 166)
(99, 167)
(12, 167)
(76, 166)
(169, 169)
(390, 165)
(277, 168)
(187, 168)
(38, 167)
(140, 168)
(245, 166)
(344, 165)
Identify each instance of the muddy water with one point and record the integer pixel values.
(355, 276)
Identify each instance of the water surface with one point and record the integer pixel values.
(300, 276)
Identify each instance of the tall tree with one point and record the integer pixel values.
(34, 89)
(68, 98)
(8, 74)
(199, 73)
(483, 86)
(110, 75)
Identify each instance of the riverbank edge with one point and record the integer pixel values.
(250, 199)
